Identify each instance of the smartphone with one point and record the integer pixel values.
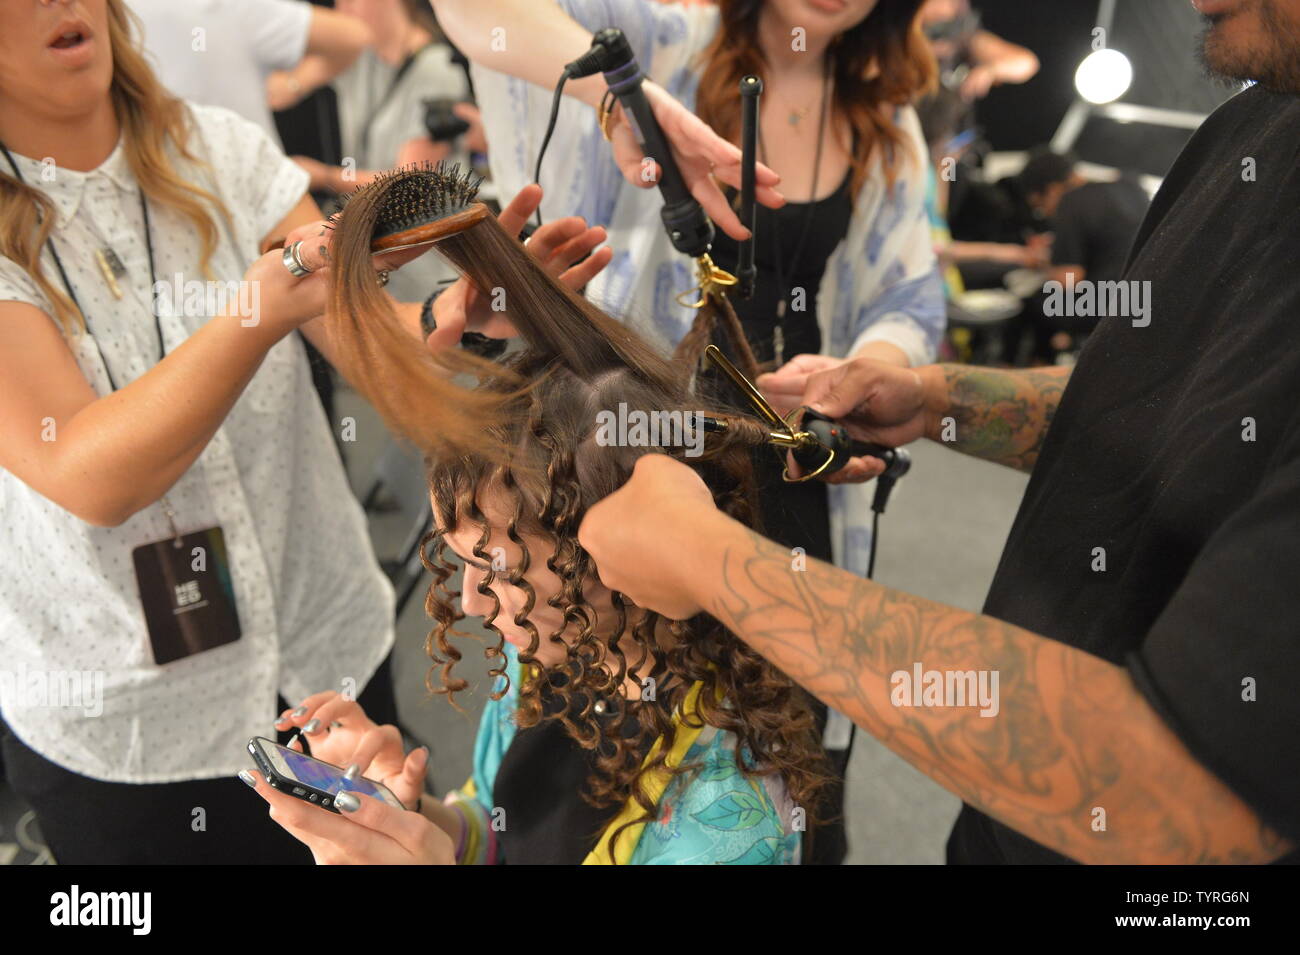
(311, 780)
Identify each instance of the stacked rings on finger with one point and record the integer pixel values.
(293, 260)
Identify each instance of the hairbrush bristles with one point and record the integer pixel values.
(421, 203)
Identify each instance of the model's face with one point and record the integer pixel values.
(55, 55)
(1253, 40)
(822, 17)
(502, 557)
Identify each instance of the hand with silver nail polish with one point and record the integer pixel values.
(341, 733)
(365, 831)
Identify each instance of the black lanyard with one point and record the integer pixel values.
(67, 284)
(363, 138)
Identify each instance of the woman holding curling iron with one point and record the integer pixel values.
(846, 268)
(134, 413)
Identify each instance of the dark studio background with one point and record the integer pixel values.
(1160, 37)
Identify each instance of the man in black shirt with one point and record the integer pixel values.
(1093, 223)
(1128, 694)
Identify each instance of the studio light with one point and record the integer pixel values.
(1104, 76)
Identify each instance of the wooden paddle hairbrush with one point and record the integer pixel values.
(421, 204)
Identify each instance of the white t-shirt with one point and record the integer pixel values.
(221, 51)
(314, 608)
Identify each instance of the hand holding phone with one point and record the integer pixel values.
(312, 780)
(343, 734)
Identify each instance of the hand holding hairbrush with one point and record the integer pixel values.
(412, 209)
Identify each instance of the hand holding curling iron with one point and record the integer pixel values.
(703, 157)
(875, 401)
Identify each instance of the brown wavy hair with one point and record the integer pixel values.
(882, 63)
(535, 449)
(152, 122)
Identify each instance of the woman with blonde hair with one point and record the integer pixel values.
(180, 546)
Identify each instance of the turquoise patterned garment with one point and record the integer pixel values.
(712, 816)
(882, 282)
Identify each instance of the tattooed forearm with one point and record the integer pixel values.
(1071, 755)
(1000, 415)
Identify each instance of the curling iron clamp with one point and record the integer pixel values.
(818, 445)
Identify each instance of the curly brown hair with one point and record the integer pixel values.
(577, 363)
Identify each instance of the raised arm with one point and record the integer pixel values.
(334, 41)
(105, 458)
(529, 39)
(534, 39)
(1067, 733)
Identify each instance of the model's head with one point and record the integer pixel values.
(1253, 40)
(514, 526)
(537, 442)
(574, 440)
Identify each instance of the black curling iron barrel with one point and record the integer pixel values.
(751, 87)
(688, 226)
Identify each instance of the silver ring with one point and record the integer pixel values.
(293, 261)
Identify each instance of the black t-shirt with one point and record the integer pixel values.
(539, 785)
(1095, 225)
(1146, 459)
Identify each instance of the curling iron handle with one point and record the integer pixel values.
(688, 226)
(835, 436)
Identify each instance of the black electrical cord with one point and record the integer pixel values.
(550, 130)
(871, 554)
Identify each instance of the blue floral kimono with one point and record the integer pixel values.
(882, 283)
(711, 815)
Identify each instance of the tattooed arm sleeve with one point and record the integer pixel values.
(1001, 415)
(1066, 733)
